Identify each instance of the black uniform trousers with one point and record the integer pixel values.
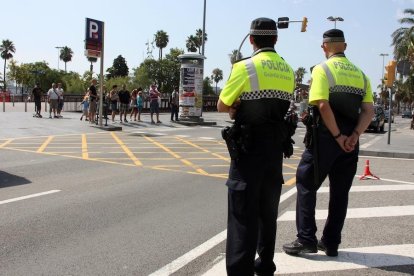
(340, 167)
(254, 187)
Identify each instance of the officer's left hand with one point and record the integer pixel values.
(341, 142)
(351, 142)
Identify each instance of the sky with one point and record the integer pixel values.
(37, 27)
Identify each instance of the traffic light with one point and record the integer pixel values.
(304, 24)
(390, 73)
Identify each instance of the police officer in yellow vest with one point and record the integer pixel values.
(257, 95)
(342, 94)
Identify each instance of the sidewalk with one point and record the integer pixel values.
(15, 121)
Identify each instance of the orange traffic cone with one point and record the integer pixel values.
(367, 173)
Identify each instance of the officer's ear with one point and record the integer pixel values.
(251, 39)
(345, 46)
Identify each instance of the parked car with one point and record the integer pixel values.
(378, 120)
(387, 114)
(406, 114)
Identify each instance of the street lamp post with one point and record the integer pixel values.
(383, 64)
(334, 19)
(204, 28)
(58, 48)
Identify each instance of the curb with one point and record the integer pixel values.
(403, 155)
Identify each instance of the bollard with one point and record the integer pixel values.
(13, 100)
(4, 103)
(25, 105)
(45, 104)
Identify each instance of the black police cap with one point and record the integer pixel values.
(263, 26)
(334, 35)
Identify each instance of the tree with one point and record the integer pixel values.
(118, 69)
(92, 60)
(403, 42)
(207, 89)
(6, 50)
(66, 55)
(403, 36)
(191, 44)
(195, 42)
(299, 74)
(235, 57)
(161, 41)
(217, 76)
(150, 71)
(199, 36)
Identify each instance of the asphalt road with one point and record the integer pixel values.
(142, 200)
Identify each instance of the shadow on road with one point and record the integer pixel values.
(8, 180)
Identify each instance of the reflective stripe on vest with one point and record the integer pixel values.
(331, 79)
(251, 71)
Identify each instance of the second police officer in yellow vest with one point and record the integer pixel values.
(342, 94)
(257, 95)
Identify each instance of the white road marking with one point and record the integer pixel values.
(390, 180)
(350, 258)
(28, 196)
(370, 143)
(207, 138)
(375, 212)
(374, 188)
(203, 248)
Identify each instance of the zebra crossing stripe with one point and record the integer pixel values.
(348, 259)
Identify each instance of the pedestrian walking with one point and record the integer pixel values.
(343, 105)
(60, 100)
(154, 95)
(37, 98)
(52, 98)
(93, 98)
(257, 95)
(134, 108)
(85, 106)
(140, 103)
(114, 98)
(124, 99)
(174, 101)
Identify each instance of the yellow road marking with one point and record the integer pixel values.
(186, 162)
(126, 149)
(291, 181)
(85, 154)
(6, 143)
(44, 145)
(203, 149)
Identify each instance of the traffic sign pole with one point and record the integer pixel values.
(101, 79)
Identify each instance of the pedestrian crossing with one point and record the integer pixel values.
(379, 207)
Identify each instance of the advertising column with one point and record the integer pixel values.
(191, 86)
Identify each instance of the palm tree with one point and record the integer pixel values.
(199, 39)
(6, 50)
(66, 54)
(403, 37)
(191, 44)
(161, 41)
(217, 76)
(235, 57)
(299, 74)
(92, 60)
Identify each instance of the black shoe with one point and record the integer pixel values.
(125, 121)
(331, 251)
(263, 270)
(297, 247)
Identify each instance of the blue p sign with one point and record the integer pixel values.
(94, 31)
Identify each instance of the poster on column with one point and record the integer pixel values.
(191, 90)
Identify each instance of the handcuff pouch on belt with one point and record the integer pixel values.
(238, 139)
(310, 119)
(291, 123)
